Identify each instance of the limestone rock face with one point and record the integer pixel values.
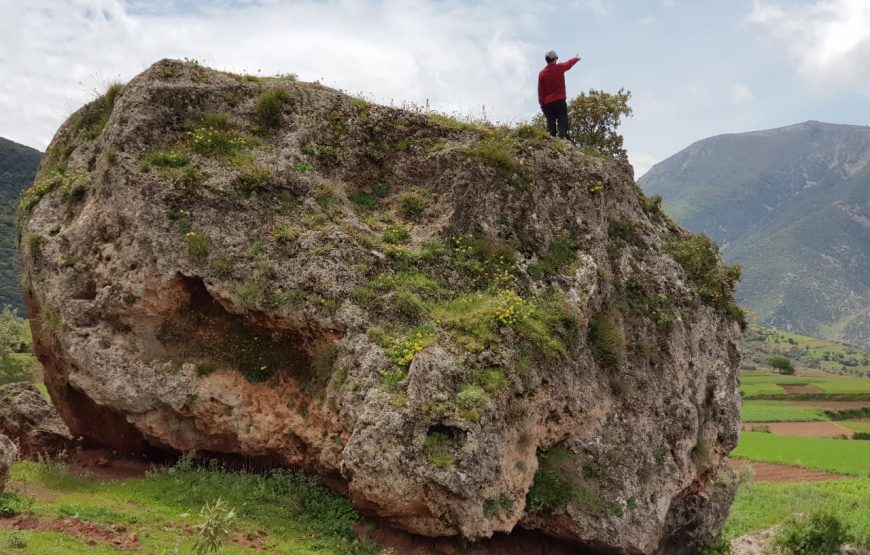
(8, 453)
(463, 328)
(28, 418)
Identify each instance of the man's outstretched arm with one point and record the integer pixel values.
(570, 63)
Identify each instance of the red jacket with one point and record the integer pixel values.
(551, 81)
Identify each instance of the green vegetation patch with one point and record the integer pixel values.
(498, 153)
(760, 505)
(476, 317)
(298, 514)
(780, 411)
(559, 483)
(92, 119)
(699, 257)
(559, 256)
(832, 455)
(71, 183)
(606, 340)
(269, 108)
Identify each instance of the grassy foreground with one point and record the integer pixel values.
(285, 512)
(761, 505)
(833, 455)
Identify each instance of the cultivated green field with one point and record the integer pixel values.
(761, 505)
(780, 411)
(833, 455)
(764, 383)
(857, 426)
(286, 513)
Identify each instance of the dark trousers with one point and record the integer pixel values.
(557, 112)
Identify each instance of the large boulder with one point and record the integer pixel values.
(27, 417)
(8, 453)
(464, 328)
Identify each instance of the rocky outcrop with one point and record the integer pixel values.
(8, 453)
(28, 418)
(466, 329)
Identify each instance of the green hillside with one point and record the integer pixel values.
(792, 206)
(18, 166)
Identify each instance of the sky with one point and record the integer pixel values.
(696, 68)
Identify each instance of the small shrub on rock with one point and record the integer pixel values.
(269, 108)
(606, 340)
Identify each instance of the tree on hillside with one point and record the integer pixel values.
(11, 328)
(593, 121)
(781, 364)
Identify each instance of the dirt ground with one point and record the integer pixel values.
(103, 464)
(803, 429)
(89, 532)
(770, 472)
(831, 405)
(801, 389)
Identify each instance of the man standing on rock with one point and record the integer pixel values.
(551, 93)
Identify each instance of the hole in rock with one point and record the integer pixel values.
(199, 330)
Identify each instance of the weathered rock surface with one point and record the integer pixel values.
(465, 329)
(7, 457)
(28, 418)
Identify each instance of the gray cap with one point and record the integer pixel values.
(551, 55)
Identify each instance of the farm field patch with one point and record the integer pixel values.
(780, 411)
(832, 455)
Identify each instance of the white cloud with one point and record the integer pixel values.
(458, 57)
(642, 162)
(828, 39)
(599, 7)
(668, 3)
(741, 94)
(648, 19)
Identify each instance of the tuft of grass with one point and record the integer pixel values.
(606, 340)
(362, 200)
(396, 235)
(92, 119)
(412, 204)
(165, 159)
(560, 254)
(198, 245)
(269, 108)
(498, 154)
(253, 178)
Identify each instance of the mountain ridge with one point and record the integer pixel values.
(791, 205)
(18, 165)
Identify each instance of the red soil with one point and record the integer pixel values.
(90, 533)
(104, 464)
(769, 472)
(801, 389)
(832, 405)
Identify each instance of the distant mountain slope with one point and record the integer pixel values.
(792, 205)
(18, 165)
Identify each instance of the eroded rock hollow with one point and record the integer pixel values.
(464, 328)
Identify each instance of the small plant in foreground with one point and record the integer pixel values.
(438, 450)
(412, 204)
(198, 244)
(818, 534)
(215, 529)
